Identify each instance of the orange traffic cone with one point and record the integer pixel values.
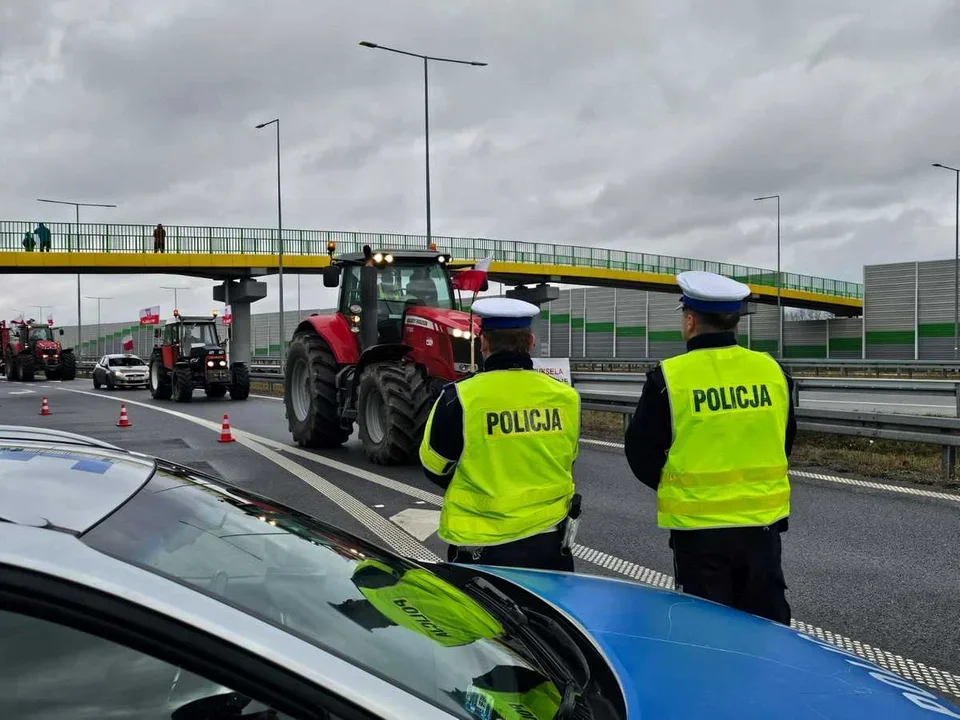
(124, 421)
(45, 407)
(225, 434)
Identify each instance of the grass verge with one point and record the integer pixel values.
(862, 457)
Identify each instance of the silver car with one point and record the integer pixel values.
(121, 370)
(133, 587)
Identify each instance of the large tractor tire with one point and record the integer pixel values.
(68, 367)
(28, 366)
(393, 405)
(160, 385)
(310, 393)
(240, 382)
(215, 391)
(182, 382)
(13, 368)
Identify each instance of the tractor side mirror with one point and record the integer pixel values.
(331, 276)
(156, 334)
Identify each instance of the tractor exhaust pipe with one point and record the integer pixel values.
(368, 303)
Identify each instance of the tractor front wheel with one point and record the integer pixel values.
(28, 367)
(310, 393)
(182, 384)
(394, 402)
(160, 385)
(240, 382)
(13, 368)
(68, 367)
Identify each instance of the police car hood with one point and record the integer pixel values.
(681, 657)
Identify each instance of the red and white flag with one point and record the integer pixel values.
(150, 315)
(50, 320)
(227, 314)
(128, 343)
(472, 280)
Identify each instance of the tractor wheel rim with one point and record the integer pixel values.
(154, 376)
(300, 390)
(373, 420)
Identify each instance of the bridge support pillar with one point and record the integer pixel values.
(538, 295)
(239, 294)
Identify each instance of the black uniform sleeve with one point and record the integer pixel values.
(444, 435)
(791, 416)
(649, 434)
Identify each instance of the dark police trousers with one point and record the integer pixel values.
(542, 552)
(737, 567)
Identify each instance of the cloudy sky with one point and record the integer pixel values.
(631, 124)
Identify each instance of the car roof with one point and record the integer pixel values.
(120, 355)
(51, 478)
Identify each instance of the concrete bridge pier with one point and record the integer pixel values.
(239, 294)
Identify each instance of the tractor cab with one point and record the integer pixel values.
(190, 337)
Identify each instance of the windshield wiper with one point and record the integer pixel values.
(532, 627)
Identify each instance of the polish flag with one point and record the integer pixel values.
(50, 320)
(474, 279)
(150, 316)
(227, 314)
(128, 343)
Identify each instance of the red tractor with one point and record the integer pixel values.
(381, 360)
(29, 347)
(189, 356)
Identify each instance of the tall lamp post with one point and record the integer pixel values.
(98, 298)
(426, 107)
(283, 337)
(77, 206)
(175, 289)
(956, 265)
(779, 305)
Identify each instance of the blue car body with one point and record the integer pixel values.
(677, 656)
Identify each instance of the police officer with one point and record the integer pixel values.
(503, 443)
(712, 434)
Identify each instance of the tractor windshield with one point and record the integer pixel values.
(419, 285)
(43, 332)
(200, 334)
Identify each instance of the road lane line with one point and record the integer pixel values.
(873, 485)
(912, 670)
(387, 531)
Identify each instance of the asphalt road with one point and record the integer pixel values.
(866, 401)
(876, 566)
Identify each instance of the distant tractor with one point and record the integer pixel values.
(190, 356)
(29, 347)
(382, 358)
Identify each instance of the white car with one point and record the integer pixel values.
(121, 370)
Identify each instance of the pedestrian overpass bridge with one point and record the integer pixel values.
(225, 253)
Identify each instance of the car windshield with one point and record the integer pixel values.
(128, 361)
(398, 620)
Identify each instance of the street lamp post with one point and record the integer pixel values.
(77, 206)
(175, 289)
(283, 337)
(956, 264)
(426, 108)
(98, 298)
(779, 305)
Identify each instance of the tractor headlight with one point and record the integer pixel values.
(389, 258)
(209, 363)
(378, 258)
(458, 333)
(223, 363)
(355, 309)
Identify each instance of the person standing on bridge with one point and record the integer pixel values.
(712, 434)
(159, 238)
(503, 443)
(43, 235)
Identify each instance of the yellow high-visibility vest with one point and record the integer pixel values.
(514, 478)
(727, 466)
(424, 603)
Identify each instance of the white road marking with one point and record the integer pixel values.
(419, 523)
(21, 392)
(912, 670)
(954, 497)
(390, 533)
(268, 397)
(380, 505)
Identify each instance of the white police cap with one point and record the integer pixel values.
(711, 293)
(499, 313)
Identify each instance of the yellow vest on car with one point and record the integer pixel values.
(727, 466)
(515, 476)
(427, 605)
(539, 703)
